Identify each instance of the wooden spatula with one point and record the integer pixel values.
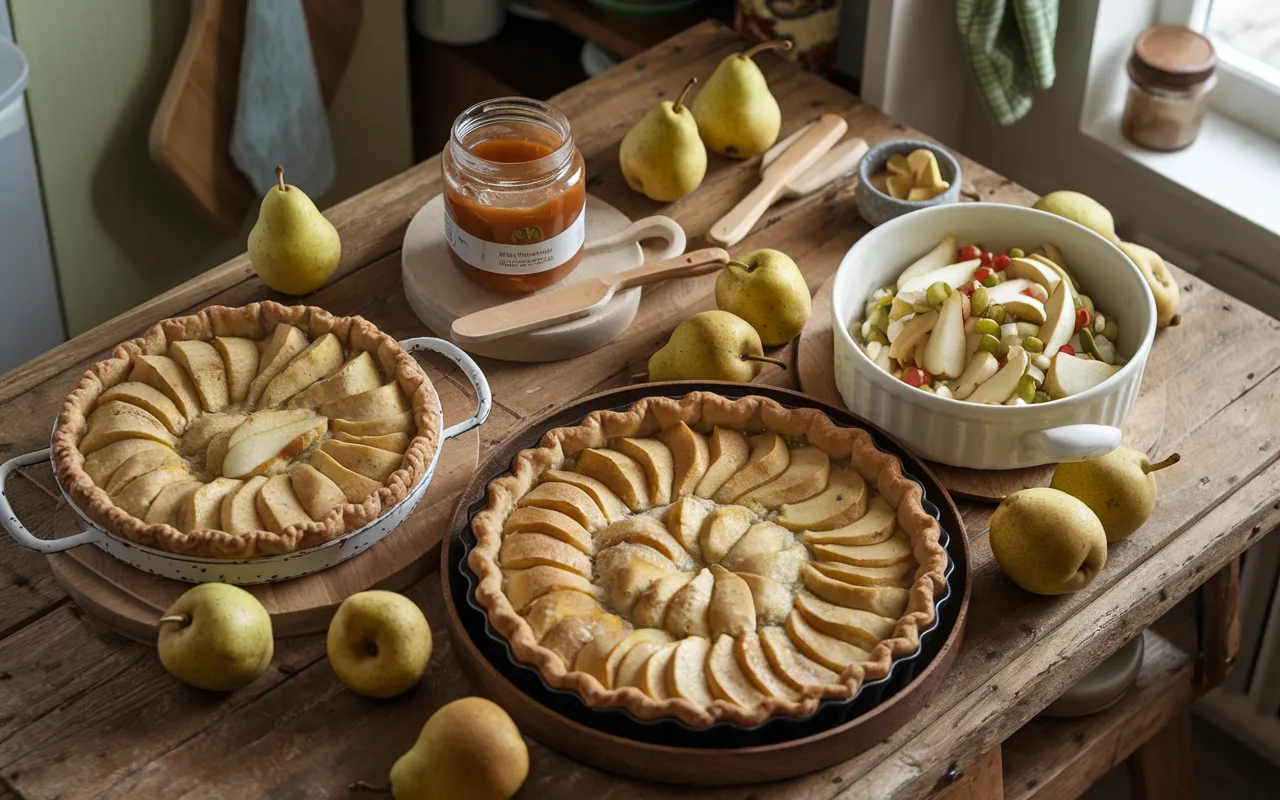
(821, 136)
(579, 299)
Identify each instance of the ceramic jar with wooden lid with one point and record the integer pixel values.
(1171, 73)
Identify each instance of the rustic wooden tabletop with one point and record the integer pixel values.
(85, 713)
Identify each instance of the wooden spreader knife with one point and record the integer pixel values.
(579, 299)
(817, 140)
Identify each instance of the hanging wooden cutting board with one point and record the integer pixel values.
(191, 133)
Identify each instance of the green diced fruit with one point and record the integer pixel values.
(1111, 330)
(1041, 396)
(921, 308)
(900, 308)
(937, 294)
(1032, 345)
(1040, 360)
(989, 343)
(991, 280)
(995, 311)
(987, 327)
(1026, 388)
(1017, 252)
(1007, 342)
(1087, 301)
(877, 335)
(1026, 329)
(880, 319)
(978, 301)
(1087, 342)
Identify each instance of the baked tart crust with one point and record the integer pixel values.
(720, 661)
(256, 322)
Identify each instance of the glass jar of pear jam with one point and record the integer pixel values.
(515, 195)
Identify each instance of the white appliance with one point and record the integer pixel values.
(30, 316)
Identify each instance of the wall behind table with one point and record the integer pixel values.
(121, 230)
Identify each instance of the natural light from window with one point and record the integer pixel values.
(1250, 26)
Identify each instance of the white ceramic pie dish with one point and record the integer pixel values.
(963, 434)
(262, 569)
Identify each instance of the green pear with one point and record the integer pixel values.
(710, 346)
(292, 247)
(216, 637)
(1161, 281)
(737, 114)
(469, 748)
(662, 156)
(1120, 487)
(766, 288)
(1081, 209)
(1047, 541)
(379, 643)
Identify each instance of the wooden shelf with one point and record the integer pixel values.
(626, 35)
(1061, 758)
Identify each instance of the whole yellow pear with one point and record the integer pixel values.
(737, 114)
(662, 156)
(710, 346)
(1163, 286)
(379, 643)
(1081, 209)
(767, 289)
(215, 636)
(1119, 487)
(292, 247)
(1047, 541)
(469, 749)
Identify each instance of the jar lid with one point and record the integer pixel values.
(1172, 56)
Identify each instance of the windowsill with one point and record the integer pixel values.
(1229, 165)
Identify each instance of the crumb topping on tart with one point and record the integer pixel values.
(244, 431)
(708, 559)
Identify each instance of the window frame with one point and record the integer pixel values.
(1244, 92)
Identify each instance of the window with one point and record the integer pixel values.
(1246, 35)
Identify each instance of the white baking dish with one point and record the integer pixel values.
(963, 434)
(263, 569)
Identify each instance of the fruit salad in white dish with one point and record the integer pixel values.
(995, 328)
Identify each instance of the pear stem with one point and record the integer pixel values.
(736, 263)
(365, 786)
(182, 618)
(280, 177)
(1168, 462)
(765, 360)
(783, 45)
(680, 100)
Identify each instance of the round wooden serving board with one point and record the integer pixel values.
(129, 601)
(702, 766)
(440, 294)
(815, 371)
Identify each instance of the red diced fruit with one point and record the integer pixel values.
(915, 376)
(987, 258)
(983, 273)
(970, 252)
(1000, 263)
(1068, 349)
(969, 288)
(1083, 318)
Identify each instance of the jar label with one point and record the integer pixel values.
(533, 255)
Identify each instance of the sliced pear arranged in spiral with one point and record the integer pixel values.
(647, 531)
(605, 499)
(620, 473)
(523, 586)
(101, 465)
(278, 505)
(626, 570)
(685, 519)
(769, 458)
(569, 637)
(725, 677)
(567, 500)
(874, 527)
(206, 369)
(115, 421)
(691, 457)
(285, 343)
(524, 550)
(240, 362)
(151, 400)
(729, 452)
(805, 476)
(164, 374)
(551, 523)
(657, 462)
(548, 610)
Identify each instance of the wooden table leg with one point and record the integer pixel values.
(1161, 768)
(1218, 624)
(982, 781)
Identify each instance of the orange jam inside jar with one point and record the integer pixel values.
(515, 195)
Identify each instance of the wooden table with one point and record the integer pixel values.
(84, 713)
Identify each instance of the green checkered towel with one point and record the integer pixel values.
(1009, 45)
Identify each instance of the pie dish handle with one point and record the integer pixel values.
(16, 529)
(1073, 442)
(484, 398)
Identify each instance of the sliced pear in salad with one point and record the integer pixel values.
(972, 325)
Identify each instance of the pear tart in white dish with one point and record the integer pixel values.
(250, 431)
(708, 559)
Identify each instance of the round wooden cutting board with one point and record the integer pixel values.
(815, 370)
(129, 601)
(440, 294)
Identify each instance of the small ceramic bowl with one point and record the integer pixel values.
(875, 206)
